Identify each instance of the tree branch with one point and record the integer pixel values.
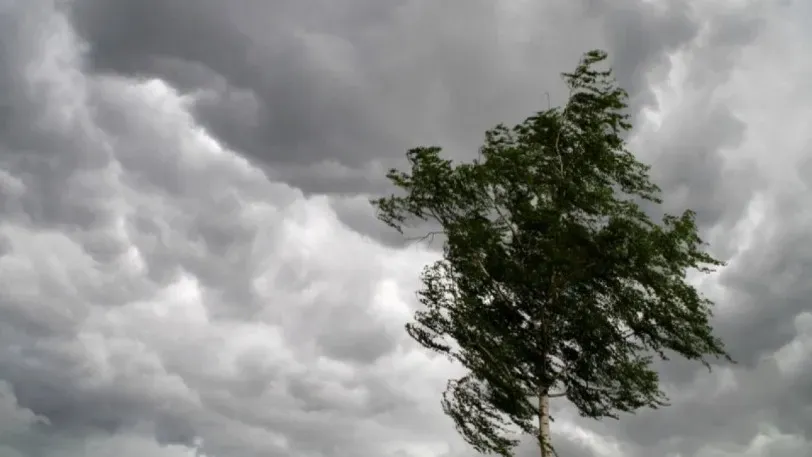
(558, 134)
(504, 219)
(430, 236)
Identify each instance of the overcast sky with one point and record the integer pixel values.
(189, 265)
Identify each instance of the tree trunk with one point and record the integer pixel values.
(544, 426)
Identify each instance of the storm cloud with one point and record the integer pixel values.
(189, 265)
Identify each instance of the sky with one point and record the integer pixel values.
(189, 266)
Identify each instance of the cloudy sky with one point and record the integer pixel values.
(189, 265)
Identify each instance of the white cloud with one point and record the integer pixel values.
(138, 305)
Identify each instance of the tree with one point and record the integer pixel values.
(553, 281)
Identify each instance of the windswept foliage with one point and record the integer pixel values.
(553, 280)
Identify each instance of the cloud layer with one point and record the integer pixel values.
(188, 265)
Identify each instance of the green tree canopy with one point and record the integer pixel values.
(553, 281)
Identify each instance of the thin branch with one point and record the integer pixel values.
(558, 135)
(504, 219)
(428, 236)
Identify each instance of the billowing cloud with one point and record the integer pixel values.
(324, 94)
(189, 265)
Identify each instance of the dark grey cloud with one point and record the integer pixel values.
(161, 295)
(296, 87)
(329, 101)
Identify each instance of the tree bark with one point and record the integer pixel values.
(544, 426)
